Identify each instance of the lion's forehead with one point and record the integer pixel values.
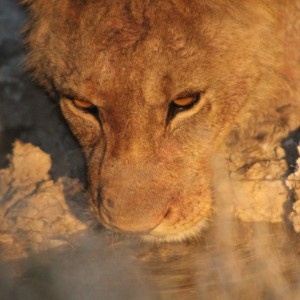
(130, 44)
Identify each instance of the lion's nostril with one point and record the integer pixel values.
(168, 214)
(110, 203)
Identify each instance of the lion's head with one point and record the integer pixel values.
(150, 89)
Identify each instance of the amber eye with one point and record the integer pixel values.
(82, 104)
(86, 106)
(182, 103)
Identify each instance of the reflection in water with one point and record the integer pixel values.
(171, 268)
(254, 261)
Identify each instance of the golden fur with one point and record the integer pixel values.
(130, 59)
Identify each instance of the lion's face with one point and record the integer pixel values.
(150, 90)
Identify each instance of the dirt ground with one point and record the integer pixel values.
(51, 247)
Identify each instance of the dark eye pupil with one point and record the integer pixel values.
(175, 108)
(92, 110)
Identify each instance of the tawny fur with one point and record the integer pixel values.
(131, 59)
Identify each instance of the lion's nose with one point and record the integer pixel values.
(129, 218)
(133, 197)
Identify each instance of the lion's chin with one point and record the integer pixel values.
(162, 234)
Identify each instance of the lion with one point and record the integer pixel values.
(154, 90)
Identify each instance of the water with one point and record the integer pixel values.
(256, 261)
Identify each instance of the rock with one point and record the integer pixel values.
(36, 211)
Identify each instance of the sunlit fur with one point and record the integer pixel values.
(131, 59)
(187, 234)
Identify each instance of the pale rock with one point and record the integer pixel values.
(35, 210)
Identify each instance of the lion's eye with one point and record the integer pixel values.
(182, 103)
(82, 104)
(86, 106)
